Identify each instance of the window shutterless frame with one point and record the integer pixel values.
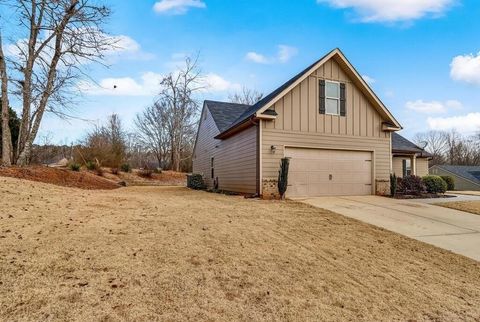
(327, 97)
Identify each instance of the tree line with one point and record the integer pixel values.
(451, 147)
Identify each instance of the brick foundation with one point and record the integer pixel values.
(382, 187)
(270, 189)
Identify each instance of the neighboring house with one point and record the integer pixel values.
(408, 158)
(465, 177)
(327, 119)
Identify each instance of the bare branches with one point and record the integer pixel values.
(451, 147)
(246, 96)
(60, 38)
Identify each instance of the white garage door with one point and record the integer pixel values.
(315, 172)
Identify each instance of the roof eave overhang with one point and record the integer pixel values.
(418, 154)
(238, 128)
(243, 125)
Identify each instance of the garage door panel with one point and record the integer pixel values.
(319, 172)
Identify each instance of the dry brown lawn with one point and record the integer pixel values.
(468, 206)
(159, 253)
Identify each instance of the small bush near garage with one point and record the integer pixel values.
(450, 182)
(411, 185)
(435, 184)
(195, 181)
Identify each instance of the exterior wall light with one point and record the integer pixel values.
(273, 148)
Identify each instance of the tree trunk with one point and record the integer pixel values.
(6, 135)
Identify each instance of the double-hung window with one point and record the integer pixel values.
(332, 98)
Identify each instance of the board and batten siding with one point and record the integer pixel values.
(235, 158)
(299, 124)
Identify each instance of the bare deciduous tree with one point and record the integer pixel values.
(435, 141)
(53, 42)
(152, 131)
(451, 147)
(106, 144)
(177, 96)
(246, 96)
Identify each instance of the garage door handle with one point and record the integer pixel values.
(330, 177)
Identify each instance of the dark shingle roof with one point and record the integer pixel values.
(224, 114)
(401, 144)
(471, 173)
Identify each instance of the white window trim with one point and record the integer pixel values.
(330, 97)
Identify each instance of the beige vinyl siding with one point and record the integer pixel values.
(298, 110)
(299, 124)
(398, 166)
(234, 158)
(422, 167)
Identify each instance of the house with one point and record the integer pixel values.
(326, 119)
(465, 177)
(408, 158)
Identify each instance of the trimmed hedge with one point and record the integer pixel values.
(435, 184)
(450, 182)
(195, 181)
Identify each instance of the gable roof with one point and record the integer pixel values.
(224, 114)
(401, 144)
(470, 173)
(273, 97)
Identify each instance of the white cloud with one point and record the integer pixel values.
(177, 7)
(392, 10)
(469, 123)
(216, 83)
(466, 68)
(433, 107)
(369, 79)
(256, 58)
(284, 54)
(148, 85)
(123, 47)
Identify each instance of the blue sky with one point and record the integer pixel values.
(420, 56)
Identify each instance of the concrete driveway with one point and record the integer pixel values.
(450, 229)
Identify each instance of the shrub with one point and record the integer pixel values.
(157, 170)
(283, 177)
(114, 171)
(435, 184)
(393, 184)
(145, 173)
(91, 165)
(126, 168)
(195, 181)
(75, 167)
(410, 185)
(450, 182)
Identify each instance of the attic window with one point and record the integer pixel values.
(332, 98)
